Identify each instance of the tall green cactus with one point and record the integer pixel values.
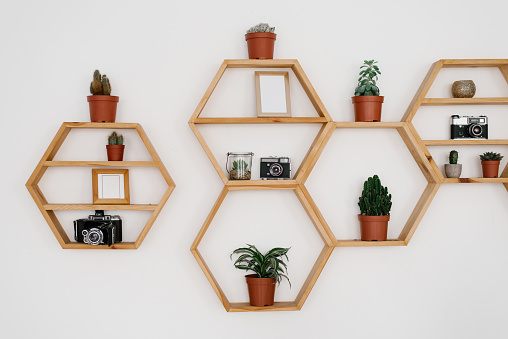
(115, 139)
(240, 165)
(375, 199)
(100, 84)
(454, 156)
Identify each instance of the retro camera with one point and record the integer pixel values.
(275, 168)
(98, 229)
(469, 127)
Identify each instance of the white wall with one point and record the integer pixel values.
(450, 282)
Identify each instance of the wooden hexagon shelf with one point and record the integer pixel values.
(413, 145)
(48, 209)
(322, 229)
(420, 99)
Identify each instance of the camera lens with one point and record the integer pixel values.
(475, 130)
(95, 236)
(276, 170)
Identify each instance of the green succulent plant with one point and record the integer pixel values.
(115, 139)
(454, 157)
(367, 80)
(261, 28)
(491, 156)
(269, 265)
(100, 84)
(375, 199)
(240, 165)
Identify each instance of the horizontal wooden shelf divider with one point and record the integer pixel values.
(474, 180)
(100, 163)
(90, 207)
(102, 125)
(277, 306)
(450, 63)
(256, 63)
(302, 120)
(117, 246)
(464, 101)
(458, 142)
(360, 243)
(354, 124)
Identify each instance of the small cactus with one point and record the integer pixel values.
(115, 139)
(261, 28)
(491, 156)
(375, 199)
(454, 156)
(100, 84)
(239, 165)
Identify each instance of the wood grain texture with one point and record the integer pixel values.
(90, 207)
(450, 63)
(464, 101)
(474, 180)
(381, 124)
(360, 243)
(270, 120)
(459, 142)
(99, 164)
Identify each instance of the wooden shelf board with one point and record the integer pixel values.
(458, 142)
(270, 120)
(256, 63)
(117, 246)
(475, 180)
(277, 306)
(237, 183)
(110, 125)
(464, 101)
(449, 63)
(381, 124)
(100, 163)
(360, 243)
(91, 207)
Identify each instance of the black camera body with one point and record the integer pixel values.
(273, 168)
(469, 127)
(98, 229)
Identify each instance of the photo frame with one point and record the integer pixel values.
(110, 186)
(272, 94)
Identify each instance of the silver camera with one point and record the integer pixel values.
(468, 127)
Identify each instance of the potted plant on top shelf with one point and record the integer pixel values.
(261, 41)
(375, 204)
(490, 164)
(453, 170)
(268, 268)
(115, 147)
(102, 103)
(367, 101)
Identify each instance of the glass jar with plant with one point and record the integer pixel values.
(238, 165)
(367, 101)
(268, 268)
(375, 205)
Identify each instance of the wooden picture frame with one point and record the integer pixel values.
(110, 186)
(272, 94)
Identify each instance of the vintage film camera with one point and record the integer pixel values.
(275, 168)
(468, 127)
(98, 229)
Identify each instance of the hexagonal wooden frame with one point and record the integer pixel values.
(412, 144)
(322, 229)
(420, 99)
(48, 209)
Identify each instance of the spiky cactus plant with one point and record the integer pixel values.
(240, 165)
(491, 156)
(261, 28)
(375, 199)
(100, 84)
(454, 157)
(115, 139)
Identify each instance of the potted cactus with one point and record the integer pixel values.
(115, 147)
(268, 269)
(490, 164)
(240, 170)
(102, 103)
(453, 170)
(367, 101)
(375, 204)
(261, 41)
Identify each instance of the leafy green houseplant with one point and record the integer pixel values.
(261, 41)
(453, 170)
(115, 147)
(268, 268)
(367, 101)
(375, 204)
(102, 103)
(490, 164)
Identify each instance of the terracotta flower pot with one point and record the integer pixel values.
(102, 108)
(260, 45)
(453, 170)
(373, 227)
(368, 107)
(261, 290)
(115, 152)
(490, 168)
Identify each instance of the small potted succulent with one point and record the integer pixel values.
(453, 170)
(268, 269)
(490, 164)
(102, 103)
(261, 41)
(115, 147)
(375, 204)
(367, 101)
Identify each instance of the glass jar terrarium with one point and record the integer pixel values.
(238, 165)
